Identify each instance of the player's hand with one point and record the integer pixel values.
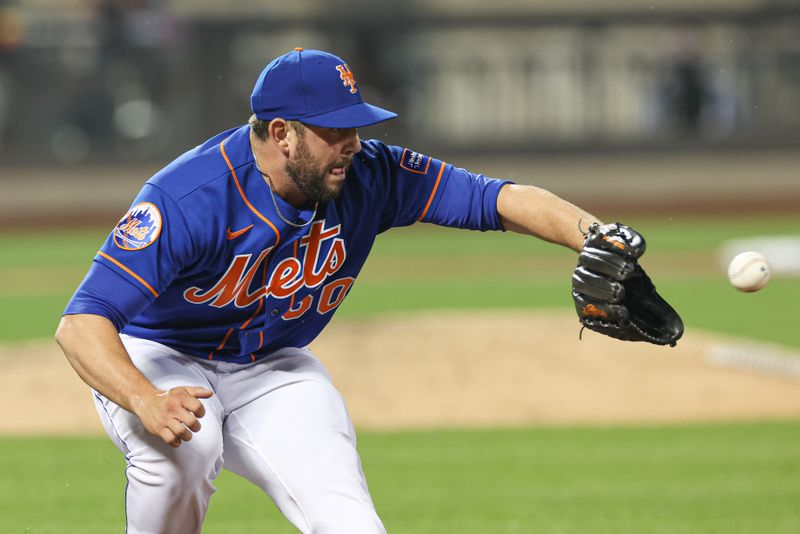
(174, 415)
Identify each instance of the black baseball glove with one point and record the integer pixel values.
(612, 293)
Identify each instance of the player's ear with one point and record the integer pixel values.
(279, 133)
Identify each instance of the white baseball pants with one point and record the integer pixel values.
(280, 424)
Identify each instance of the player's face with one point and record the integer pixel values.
(320, 161)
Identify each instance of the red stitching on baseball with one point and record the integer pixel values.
(744, 267)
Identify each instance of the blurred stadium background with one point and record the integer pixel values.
(682, 116)
(648, 95)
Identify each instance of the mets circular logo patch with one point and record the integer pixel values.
(139, 228)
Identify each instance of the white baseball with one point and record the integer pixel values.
(749, 271)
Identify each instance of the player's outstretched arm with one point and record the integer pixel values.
(92, 346)
(530, 210)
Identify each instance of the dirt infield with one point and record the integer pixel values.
(469, 369)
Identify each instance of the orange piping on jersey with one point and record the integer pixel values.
(258, 309)
(221, 344)
(230, 331)
(291, 300)
(252, 357)
(277, 240)
(133, 274)
(244, 197)
(433, 193)
(225, 339)
(266, 294)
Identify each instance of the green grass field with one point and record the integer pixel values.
(735, 478)
(430, 268)
(698, 478)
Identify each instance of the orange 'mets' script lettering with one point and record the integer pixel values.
(285, 279)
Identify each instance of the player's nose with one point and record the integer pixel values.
(352, 143)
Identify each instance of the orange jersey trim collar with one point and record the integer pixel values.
(244, 197)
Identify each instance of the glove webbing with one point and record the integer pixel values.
(636, 327)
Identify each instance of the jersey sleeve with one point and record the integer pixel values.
(140, 258)
(425, 189)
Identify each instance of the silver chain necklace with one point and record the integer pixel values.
(275, 201)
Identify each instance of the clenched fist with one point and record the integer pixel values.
(174, 415)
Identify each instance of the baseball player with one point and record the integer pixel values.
(192, 324)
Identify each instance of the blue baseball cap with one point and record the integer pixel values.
(315, 88)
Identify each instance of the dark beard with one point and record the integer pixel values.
(308, 177)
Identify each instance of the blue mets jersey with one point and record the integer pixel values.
(203, 263)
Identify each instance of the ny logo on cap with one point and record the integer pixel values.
(347, 77)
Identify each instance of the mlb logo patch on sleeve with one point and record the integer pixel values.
(415, 162)
(139, 228)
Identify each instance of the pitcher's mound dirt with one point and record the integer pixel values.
(465, 369)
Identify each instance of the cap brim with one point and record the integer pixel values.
(355, 116)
